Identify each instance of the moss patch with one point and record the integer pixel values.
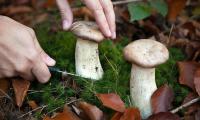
(61, 46)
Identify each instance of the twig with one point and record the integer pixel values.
(6, 95)
(70, 102)
(185, 105)
(41, 107)
(170, 33)
(124, 2)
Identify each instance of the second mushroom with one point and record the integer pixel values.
(87, 54)
(145, 55)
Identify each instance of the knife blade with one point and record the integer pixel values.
(63, 74)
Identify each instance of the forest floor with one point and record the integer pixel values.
(181, 38)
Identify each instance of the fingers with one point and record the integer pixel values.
(104, 15)
(100, 17)
(45, 57)
(66, 13)
(40, 60)
(41, 71)
(110, 16)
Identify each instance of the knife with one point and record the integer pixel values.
(58, 72)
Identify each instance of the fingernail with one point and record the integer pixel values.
(66, 25)
(114, 35)
(108, 33)
(50, 61)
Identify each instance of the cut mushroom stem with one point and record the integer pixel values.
(87, 54)
(144, 55)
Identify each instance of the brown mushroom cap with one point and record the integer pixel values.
(87, 30)
(146, 53)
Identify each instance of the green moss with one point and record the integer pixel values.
(168, 74)
(61, 46)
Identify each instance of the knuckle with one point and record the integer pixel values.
(32, 32)
(33, 56)
(24, 67)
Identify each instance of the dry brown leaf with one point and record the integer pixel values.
(164, 116)
(174, 8)
(192, 108)
(161, 99)
(40, 18)
(11, 10)
(4, 86)
(197, 81)
(20, 87)
(197, 115)
(131, 114)
(112, 101)
(67, 114)
(117, 116)
(47, 118)
(49, 3)
(91, 111)
(22, 1)
(83, 12)
(186, 73)
(32, 104)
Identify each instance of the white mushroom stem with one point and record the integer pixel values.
(87, 59)
(142, 86)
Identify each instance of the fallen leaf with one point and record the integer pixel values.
(197, 115)
(20, 87)
(32, 104)
(40, 18)
(4, 86)
(192, 108)
(164, 116)
(197, 80)
(192, 49)
(112, 101)
(187, 70)
(22, 1)
(49, 3)
(83, 12)
(67, 114)
(117, 116)
(91, 111)
(131, 114)
(150, 27)
(161, 99)
(47, 118)
(174, 8)
(11, 10)
(189, 117)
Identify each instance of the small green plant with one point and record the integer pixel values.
(142, 10)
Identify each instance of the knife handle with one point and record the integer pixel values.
(53, 69)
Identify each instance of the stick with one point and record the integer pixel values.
(185, 105)
(124, 2)
(41, 107)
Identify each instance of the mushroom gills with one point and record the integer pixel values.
(87, 60)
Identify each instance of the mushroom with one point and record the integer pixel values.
(87, 54)
(145, 55)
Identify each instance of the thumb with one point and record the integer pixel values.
(66, 13)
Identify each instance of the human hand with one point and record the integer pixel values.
(102, 10)
(21, 54)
